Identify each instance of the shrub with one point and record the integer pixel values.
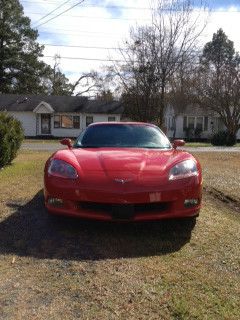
(11, 137)
(223, 138)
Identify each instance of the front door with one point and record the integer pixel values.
(45, 124)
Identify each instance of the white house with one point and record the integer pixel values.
(193, 122)
(58, 116)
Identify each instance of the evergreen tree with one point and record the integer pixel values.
(219, 51)
(219, 81)
(21, 71)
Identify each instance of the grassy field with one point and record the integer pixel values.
(42, 141)
(203, 144)
(68, 269)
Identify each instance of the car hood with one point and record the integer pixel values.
(128, 162)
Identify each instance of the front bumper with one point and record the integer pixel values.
(125, 203)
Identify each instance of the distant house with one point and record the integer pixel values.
(67, 116)
(193, 123)
(58, 116)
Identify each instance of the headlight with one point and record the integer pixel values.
(184, 169)
(62, 169)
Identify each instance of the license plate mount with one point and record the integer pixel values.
(123, 212)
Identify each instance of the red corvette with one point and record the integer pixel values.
(123, 172)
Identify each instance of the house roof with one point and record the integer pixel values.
(13, 102)
(196, 110)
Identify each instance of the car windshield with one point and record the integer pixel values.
(122, 135)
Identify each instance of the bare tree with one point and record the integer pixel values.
(88, 83)
(58, 84)
(154, 54)
(182, 88)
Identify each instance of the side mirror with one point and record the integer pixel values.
(178, 143)
(67, 142)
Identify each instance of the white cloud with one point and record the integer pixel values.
(105, 27)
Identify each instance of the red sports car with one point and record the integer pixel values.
(123, 171)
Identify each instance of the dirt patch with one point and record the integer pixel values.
(227, 200)
(221, 172)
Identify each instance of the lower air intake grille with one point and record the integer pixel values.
(124, 211)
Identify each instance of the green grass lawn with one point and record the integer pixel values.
(69, 269)
(57, 140)
(203, 144)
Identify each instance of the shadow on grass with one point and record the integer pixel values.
(29, 231)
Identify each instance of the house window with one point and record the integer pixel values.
(76, 122)
(170, 123)
(67, 122)
(89, 120)
(191, 122)
(205, 123)
(195, 123)
(199, 123)
(57, 121)
(111, 119)
(184, 123)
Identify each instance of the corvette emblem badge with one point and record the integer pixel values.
(122, 181)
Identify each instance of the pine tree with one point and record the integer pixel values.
(219, 81)
(21, 71)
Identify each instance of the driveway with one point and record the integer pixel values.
(54, 146)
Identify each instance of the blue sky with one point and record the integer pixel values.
(223, 3)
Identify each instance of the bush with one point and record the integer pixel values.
(11, 137)
(223, 138)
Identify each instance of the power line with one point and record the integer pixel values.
(134, 8)
(108, 18)
(58, 15)
(98, 6)
(77, 46)
(89, 17)
(95, 59)
(91, 33)
(90, 59)
(48, 14)
(85, 31)
(81, 34)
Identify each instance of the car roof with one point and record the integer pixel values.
(122, 123)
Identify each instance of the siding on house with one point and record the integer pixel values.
(28, 121)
